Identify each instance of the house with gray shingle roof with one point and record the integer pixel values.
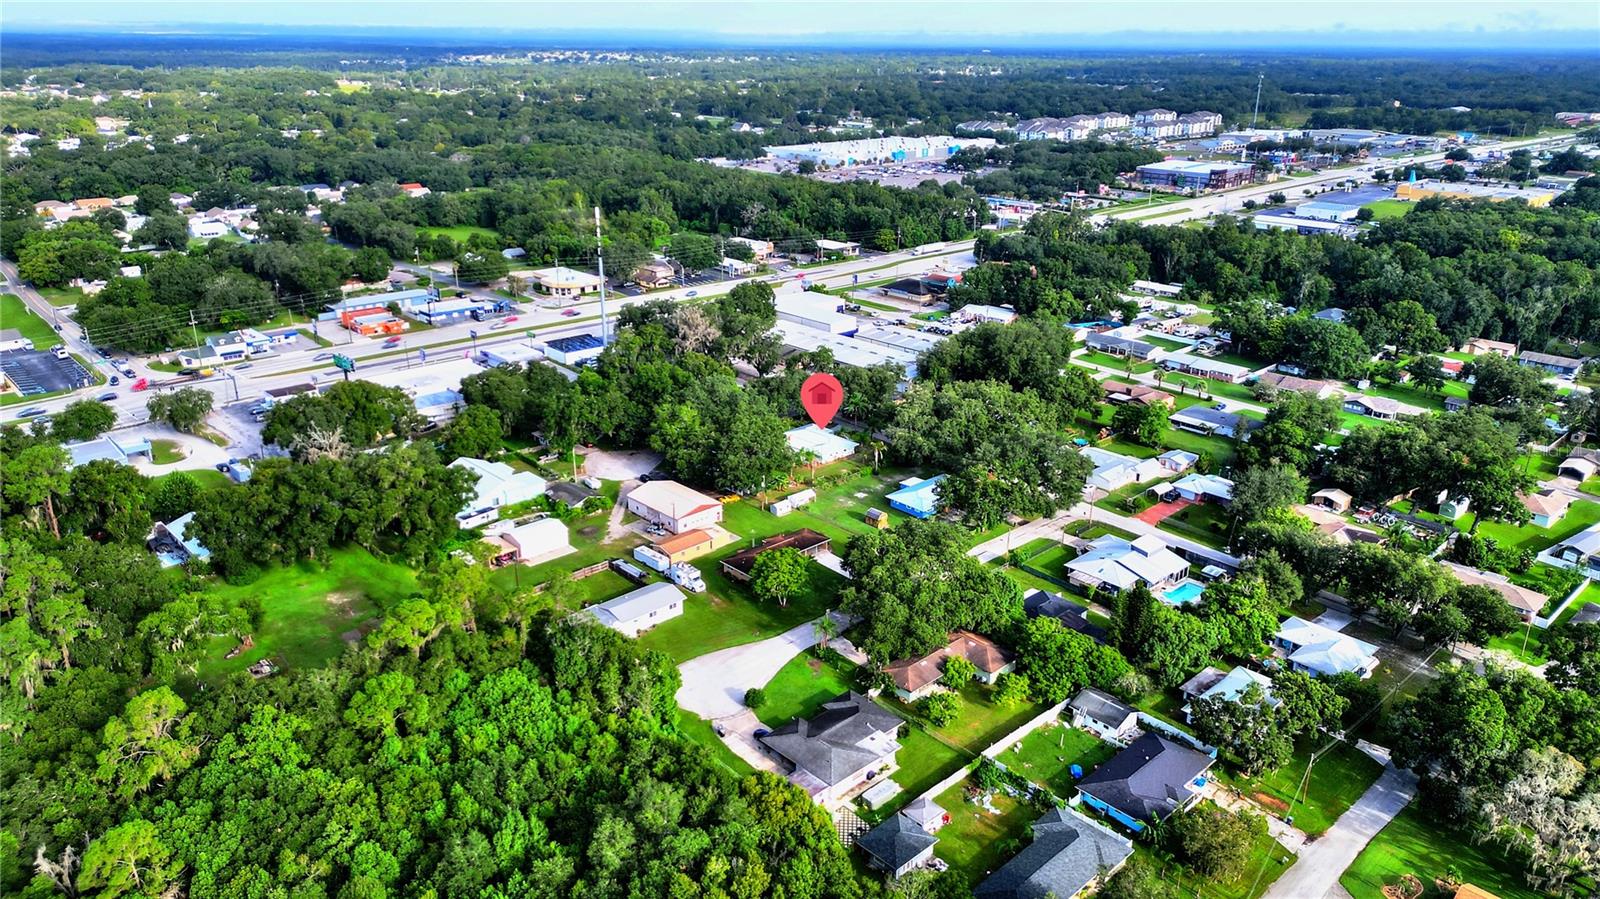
(1068, 855)
(897, 845)
(834, 752)
(1146, 782)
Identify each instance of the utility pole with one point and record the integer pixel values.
(193, 332)
(600, 258)
(1259, 80)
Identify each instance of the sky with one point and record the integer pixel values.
(952, 22)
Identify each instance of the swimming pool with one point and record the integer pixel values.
(1187, 591)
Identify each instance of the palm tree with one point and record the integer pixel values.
(826, 630)
(877, 447)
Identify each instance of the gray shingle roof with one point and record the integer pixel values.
(1039, 603)
(1149, 779)
(1102, 707)
(826, 746)
(896, 842)
(1068, 852)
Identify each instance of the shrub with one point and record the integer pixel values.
(939, 709)
(755, 698)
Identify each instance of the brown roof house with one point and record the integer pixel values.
(1143, 394)
(916, 678)
(741, 564)
(1528, 603)
(1547, 506)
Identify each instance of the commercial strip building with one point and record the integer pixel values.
(559, 281)
(1460, 190)
(847, 350)
(877, 150)
(818, 311)
(1190, 174)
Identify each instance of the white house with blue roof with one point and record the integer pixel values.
(917, 497)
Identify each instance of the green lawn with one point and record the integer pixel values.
(924, 761)
(1267, 862)
(166, 452)
(1425, 399)
(1047, 755)
(308, 611)
(1165, 343)
(15, 314)
(727, 614)
(1115, 363)
(1205, 523)
(979, 722)
(459, 233)
(1580, 515)
(60, 296)
(1338, 779)
(1414, 845)
(1088, 530)
(1389, 209)
(802, 686)
(205, 477)
(699, 730)
(976, 841)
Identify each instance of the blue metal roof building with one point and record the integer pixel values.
(917, 497)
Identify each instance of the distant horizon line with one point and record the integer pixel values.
(1562, 41)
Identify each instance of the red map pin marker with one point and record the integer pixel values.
(821, 395)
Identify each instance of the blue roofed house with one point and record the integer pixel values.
(1212, 684)
(1563, 366)
(172, 543)
(1069, 855)
(1146, 782)
(917, 497)
(1314, 649)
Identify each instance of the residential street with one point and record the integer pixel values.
(1322, 861)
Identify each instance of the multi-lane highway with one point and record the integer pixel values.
(300, 366)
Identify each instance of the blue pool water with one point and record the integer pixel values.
(1187, 591)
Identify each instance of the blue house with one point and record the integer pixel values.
(917, 497)
(1147, 781)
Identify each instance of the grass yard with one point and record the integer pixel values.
(727, 614)
(60, 296)
(1032, 582)
(1220, 449)
(802, 686)
(1052, 560)
(1047, 755)
(1088, 530)
(1205, 523)
(845, 491)
(978, 840)
(1267, 862)
(1165, 343)
(1580, 515)
(698, 730)
(1337, 780)
(17, 315)
(205, 477)
(1425, 399)
(459, 233)
(924, 761)
(1114, 363)
(310, 612)
(166, 452)
(1389, 209)
(1163, 704)
(1413, 845)
(979, 721)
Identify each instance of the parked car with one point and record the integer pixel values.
(1220, 406)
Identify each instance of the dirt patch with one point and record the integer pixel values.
(716, 601)
(343, 602)
(354, 635)
(1270, 803)
(815, 665)
(589, 531)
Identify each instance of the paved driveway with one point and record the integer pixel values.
(714, 684)
(1321, 862)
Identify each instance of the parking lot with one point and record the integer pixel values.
(36, 371)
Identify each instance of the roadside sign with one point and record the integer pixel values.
(344, 363)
